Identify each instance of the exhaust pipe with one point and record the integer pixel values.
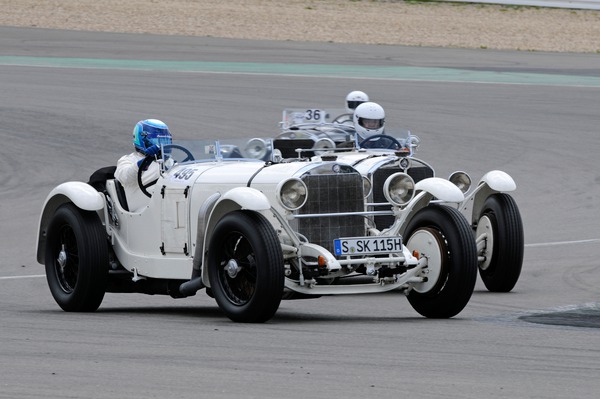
(189, 288)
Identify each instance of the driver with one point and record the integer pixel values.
(148, 137)
(353, 100)
(369, 119)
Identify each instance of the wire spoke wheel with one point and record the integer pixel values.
(76, 259)
(238, 269)
(67, 261)
(245, 266)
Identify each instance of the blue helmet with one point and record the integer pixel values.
(149, 132)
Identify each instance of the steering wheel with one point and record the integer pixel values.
(380, 141)
(143, 166)
(188, 155)
(150, 158)
(343, 118)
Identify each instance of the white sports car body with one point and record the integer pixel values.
(254, 232)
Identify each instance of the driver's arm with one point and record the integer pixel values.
(127, 169)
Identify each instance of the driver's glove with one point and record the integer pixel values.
(153, 150)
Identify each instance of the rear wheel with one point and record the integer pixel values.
(500, 229)
(245, 264)
(76, 259)
(444, 237)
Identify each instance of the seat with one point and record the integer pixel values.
(98, 178)
(121, 195)
(98, 181)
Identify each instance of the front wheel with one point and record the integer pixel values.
(500, 233)
(444, 237)
(245, 264)
(76, 259)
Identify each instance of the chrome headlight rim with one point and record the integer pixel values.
(323, 146)
(367, 186)
(256, 148)
(462, 180)
(399, 189)
(292, 193)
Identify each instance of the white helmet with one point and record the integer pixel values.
(354, 99)
(369, 119)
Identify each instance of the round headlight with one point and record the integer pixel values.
(323, 145)
(399, 189)
(461, 180)
(292, 193)
(256, 148)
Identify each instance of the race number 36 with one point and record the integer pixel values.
(312, 115)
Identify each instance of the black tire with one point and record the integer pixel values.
(76, 259)
(252, 292)
(500, 217)
(443, 235)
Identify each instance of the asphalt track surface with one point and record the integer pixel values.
(533, 115)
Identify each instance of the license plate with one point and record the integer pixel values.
(367, 245)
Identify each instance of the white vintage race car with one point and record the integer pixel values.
(254, 232)
(489, 209)
(313, 130)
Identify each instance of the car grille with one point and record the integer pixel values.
(417, 173)
(332, 193)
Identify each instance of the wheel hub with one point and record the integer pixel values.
(62, 258)
(486, 232)
(429, 244)
(232, 268)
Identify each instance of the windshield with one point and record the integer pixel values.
(182, 151)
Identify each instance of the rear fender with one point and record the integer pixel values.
(82, 195)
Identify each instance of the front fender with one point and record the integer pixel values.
(245, 198)
(499, 181)
(80, 194)
(495, 181)
(426, 190)
(440, 188)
